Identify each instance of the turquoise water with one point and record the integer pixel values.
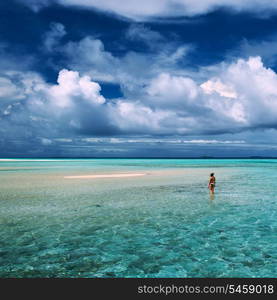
(163, 224)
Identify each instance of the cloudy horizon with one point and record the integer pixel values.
(163, 79)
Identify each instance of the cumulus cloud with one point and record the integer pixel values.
(71, 86)
(131, 71)
(238, 96)
(215, 85)
(73, 105)
(169, 90)
(7, 89)
(138, 118)
(89, 56)
(18, 85)
(152, 9)
(160, 95)
(235, 97)
(256, 88)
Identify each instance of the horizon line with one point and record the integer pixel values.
(144, 157)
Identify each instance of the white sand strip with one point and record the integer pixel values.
(105, 176)
(31, 160)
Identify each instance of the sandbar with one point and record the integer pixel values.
(29, 160)
(105, 176)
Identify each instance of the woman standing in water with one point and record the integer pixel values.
(211, 184)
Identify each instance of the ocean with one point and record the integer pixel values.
(162, 224)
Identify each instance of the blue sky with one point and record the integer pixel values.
(171, 78)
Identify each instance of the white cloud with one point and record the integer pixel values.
(7, 89)
(137, 117)
(168, 90)
(18, 85)
(212, 142)
(151, 9)
(133, 71)
(74, 104)
(254, 88)
(89, 56)
(144, 140)
(239, 95)
(235, 97)
(215, 85)
(70, 86)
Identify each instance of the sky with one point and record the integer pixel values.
(148, 78)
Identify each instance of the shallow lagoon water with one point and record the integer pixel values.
(163, 224)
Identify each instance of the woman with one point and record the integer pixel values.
(211, 184)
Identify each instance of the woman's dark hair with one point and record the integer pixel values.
(212, 174)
